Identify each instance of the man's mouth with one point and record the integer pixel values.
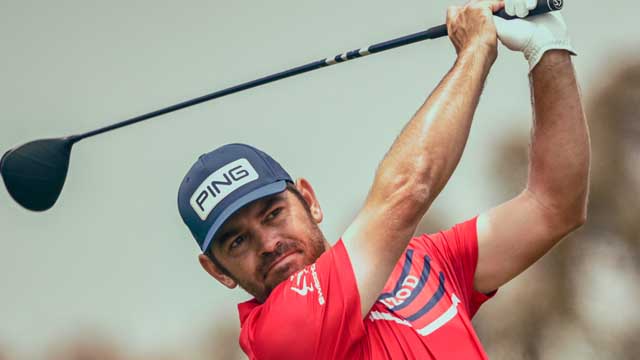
(278, 261)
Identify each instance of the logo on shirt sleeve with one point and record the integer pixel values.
(302, 286)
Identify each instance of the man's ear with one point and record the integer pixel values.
(304, 187)
(215, 271)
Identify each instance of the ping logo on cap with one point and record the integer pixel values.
(220, 184)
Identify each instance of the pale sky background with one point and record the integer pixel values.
(113, 254)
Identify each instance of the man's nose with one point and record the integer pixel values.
(270, 242)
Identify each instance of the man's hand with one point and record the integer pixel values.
(471, 28)
(535, 35)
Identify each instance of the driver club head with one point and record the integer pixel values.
(34, 173)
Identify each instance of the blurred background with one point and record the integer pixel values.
(110, 272)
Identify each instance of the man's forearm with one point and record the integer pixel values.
(560, 151)
(429, 147)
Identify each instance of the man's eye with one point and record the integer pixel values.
(274, 213)
(236, 242)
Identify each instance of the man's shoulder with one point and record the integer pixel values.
(267, 329)
(447, 237)
(425, 242)
(302, 288)
(310, 306)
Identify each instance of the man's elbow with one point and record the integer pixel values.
(405, 200)
(573, 219)
(563, 215)
(577, 213)
(580, 219)
(410, 202)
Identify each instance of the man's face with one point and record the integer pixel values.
(267, 241)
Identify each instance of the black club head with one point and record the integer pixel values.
(34, 173)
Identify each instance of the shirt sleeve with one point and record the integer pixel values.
(457, 250)
(313, 314)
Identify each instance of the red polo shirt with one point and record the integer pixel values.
(423, 312)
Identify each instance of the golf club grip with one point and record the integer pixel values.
(543, 7)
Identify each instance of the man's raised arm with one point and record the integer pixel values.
(424, 155)
(512, 236)
(515, 234)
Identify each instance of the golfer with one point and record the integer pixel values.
(379, 292)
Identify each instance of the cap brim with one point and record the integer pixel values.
(267, 190)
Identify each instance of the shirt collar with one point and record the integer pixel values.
(245, 308)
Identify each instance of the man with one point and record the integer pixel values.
(408, 297)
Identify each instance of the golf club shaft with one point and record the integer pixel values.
(432, 33)
(435, 32)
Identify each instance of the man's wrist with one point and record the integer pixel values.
(552, 59)
(481, 54)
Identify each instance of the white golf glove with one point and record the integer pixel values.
(535, 35)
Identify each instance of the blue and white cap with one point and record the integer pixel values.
(222, 182)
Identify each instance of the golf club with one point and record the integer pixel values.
(34, 173)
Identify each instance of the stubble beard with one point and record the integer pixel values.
(317, 246)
